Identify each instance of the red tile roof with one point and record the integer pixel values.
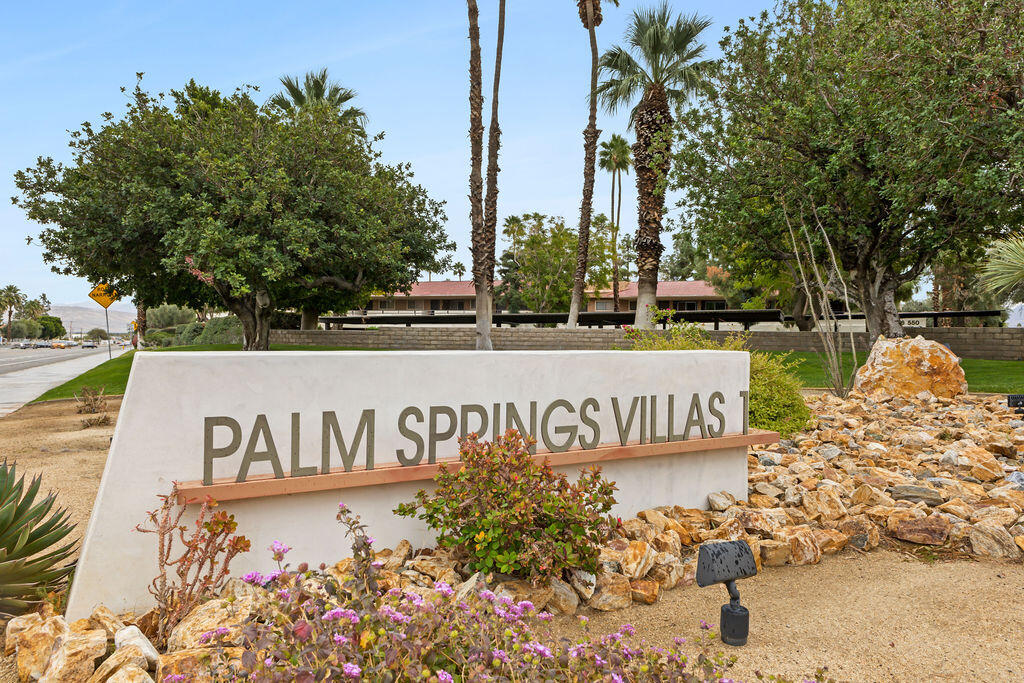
(668, 289)
(689, 289)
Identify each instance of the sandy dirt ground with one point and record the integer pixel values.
(48, 439)
(880, 616)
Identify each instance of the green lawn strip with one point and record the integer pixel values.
(995, 376)
(113, 374)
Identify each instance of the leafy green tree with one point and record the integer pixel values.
(51, 327)
(241, 204)
(883, 133)
(106, 213)
(658, 70)
(317, 90)
(96, 334)
(539, 265)
(26, 329)
(615, 158)
(685, 261)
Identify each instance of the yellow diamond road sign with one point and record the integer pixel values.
(104, 295)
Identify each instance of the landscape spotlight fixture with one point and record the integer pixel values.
(724, 563)
(1016, 401)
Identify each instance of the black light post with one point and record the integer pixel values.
(725, 563)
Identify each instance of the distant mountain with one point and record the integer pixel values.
(85, 316)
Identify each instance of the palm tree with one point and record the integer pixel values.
(483, 212)
(1004, 271)
(590, 15)
(666, 69)
(315, 89)
(615, 159)
(11, 298)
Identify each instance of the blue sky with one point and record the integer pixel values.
(63, 63)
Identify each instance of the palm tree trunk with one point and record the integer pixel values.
(590, 136)
(616, 178)
(485, 307)
(476, 184)
(651, 154)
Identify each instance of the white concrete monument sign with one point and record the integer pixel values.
(278, 439)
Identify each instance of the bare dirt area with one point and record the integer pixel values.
(48, 439)
(877, 616)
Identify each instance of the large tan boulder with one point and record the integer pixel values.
(906, 367)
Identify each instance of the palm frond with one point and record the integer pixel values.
(1005, 267)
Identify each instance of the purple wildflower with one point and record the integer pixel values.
(351, 670)
(253, 577)
(444, 589)
(444, 677)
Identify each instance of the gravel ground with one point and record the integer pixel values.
(879, 616)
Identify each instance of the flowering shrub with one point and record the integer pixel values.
(311, 628)
(502, 511)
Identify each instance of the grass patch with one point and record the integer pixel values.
(996, 376)
(113, 374)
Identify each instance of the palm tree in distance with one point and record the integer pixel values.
(11, 298)
(590, 15)
(315, 88)
(615, 158)
(660, 66)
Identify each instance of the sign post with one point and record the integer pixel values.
(105, 295)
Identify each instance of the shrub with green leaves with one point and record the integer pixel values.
(31, 557)
(503, 511)
(221, 330)
(775, 399)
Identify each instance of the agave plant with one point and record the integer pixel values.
(30, 565)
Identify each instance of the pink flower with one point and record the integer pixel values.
(351, 670)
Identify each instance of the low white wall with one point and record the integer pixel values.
(162, 434)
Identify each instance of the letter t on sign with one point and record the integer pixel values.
(210, 452)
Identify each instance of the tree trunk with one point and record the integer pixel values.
(310, 319)
(878, 299)
(590, 136)
(651, 154)
(254, 310)
(804, 322)
(615, 239)
(476, 185)
(140, 322)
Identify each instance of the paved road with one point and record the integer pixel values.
(27, 373)
(12, 360)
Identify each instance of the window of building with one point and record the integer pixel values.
(713, 305)
(603, 305)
